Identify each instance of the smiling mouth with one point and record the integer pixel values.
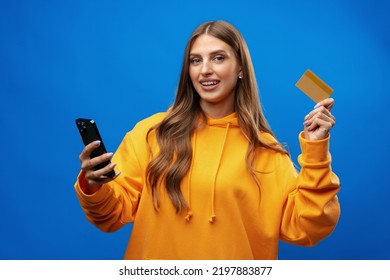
(209, 83)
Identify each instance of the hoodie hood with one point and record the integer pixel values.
(229, 120)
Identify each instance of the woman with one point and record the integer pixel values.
(207, 179)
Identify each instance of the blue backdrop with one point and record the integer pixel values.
(119, 61)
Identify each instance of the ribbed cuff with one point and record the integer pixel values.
(314, 151)
(96, 197)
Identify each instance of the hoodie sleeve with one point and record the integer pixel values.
(116, 202)
(311, 210)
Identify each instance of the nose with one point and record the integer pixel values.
(206, 69)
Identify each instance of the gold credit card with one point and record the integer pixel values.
(313, 86)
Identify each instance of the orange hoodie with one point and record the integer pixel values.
(229, 217)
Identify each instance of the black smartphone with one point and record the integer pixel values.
(89, 133)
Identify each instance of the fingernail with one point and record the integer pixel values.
(109, 155)
(317, 105)
(96, 143)
(306, 123)
(307, 116)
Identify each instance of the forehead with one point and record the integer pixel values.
(206, 44)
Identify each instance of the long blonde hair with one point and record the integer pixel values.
(174, 133)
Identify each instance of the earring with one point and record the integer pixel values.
(240, 76)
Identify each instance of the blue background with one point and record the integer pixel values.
(119, 61)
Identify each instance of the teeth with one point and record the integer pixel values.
(211, 83)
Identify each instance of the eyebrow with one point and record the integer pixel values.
(212, 53)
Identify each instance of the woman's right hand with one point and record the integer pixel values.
(95, 178)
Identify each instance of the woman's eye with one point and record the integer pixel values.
(219, 58)
(195, 60)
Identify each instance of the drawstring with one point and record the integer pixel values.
(213, 216)
(189, 212)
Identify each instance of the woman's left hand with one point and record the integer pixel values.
(320, 121)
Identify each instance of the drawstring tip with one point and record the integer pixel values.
(188, 216)
(212, 218)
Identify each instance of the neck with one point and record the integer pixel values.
(216, 112)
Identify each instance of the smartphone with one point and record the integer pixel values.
(89, 132)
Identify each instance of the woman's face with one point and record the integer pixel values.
(214, 71)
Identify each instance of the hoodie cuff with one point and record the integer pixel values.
(314, 151)
(98, 196)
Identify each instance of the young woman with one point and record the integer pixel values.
(207, 179)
